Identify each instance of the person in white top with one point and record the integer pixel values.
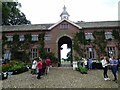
(105, 68)
(34, 66)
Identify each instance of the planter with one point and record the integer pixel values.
(10, 73)
(3, 75)
(75, 65)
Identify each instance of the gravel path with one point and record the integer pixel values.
(62, 77)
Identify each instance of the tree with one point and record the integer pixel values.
(11, 15)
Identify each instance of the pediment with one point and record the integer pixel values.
(64, 20)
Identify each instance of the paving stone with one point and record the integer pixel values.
(62, 77)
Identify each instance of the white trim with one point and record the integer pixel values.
(62, 21)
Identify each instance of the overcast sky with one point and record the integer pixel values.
(48, 11)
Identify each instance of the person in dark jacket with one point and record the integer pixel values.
(43, 67)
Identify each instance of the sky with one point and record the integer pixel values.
(48, 11)
(64, 51)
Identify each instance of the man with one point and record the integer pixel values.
(47, 64)
(114, 64)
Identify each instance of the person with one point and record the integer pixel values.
(43, 67)
(85, 62)
(47, 64)
(90, 63)
(39, 67)
(114, 64)
(34, 66)
(105, 68)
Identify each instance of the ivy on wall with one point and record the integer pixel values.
(78, 45)
(99, 43)
(116, 35)
(42, 44)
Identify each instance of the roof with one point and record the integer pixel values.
(31, 27)
(66, 21)
(98, 24)
(28, 27)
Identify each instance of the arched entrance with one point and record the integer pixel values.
(68, 41)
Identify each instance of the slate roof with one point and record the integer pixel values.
(26, 27)
(99, 24)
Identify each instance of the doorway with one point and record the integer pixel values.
(65, 51)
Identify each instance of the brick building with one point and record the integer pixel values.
(62, 32)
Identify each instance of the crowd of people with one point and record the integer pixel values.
(113, 64)
(40, 67)
(107, 63)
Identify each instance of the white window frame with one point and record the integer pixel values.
(34, 53)
(47, 37)
(21, 37)
(88, 36)
(90, 52)
(64, 26)
(7, 54)
(48, 50)
(34, 37)
(108, 35)
(111, 51)
(9, 38)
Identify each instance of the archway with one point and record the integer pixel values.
(65, 40)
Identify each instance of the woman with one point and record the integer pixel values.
(114, 64)
(105, 68)
(34, 66)
(39, 67)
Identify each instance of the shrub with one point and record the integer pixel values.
(83, 70)
(5, 67)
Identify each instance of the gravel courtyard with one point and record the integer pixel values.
(63, 77)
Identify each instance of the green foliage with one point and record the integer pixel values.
(116, 34)
(11, 15)
(28, 38)
(42, 52)
(99, 43)
(17, 67)
(79, 43)
(16, 38)
(83, 70)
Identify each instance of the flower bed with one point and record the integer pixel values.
(14, 67)
(19, 68)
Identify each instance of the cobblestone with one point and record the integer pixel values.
(61, 77)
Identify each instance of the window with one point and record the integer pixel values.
(90, 52)
(9, 38)
(34, 53)
(89, 36)
(64, 26)
(108, 35)
(47, 37)
(21, 38)
(7, 54)
(34, 37)
(111, 51)
(47, 50)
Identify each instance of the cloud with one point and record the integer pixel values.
(48, 11)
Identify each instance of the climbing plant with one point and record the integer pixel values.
(116, 35)
(78, 44)
(99, 43)
(41, 45)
